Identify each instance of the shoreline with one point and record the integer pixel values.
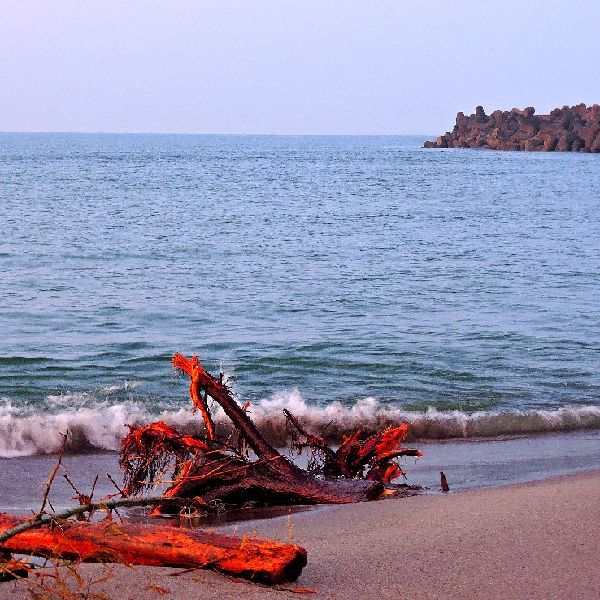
(468, 464)
(527, 540)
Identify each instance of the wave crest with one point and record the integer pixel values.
(102, 428)
(335, 420)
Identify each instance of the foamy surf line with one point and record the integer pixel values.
(103, 427)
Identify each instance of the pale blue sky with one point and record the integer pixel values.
(278, 66)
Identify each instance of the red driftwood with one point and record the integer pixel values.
(263, 561)
(373, 458)
(215, 473)
(194, 370)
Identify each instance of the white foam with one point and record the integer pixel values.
(102, 427)
(335, 420)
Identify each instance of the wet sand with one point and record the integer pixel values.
(535, 540)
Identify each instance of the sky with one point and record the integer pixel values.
(289, 67)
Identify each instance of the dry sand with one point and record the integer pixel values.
(536, 540)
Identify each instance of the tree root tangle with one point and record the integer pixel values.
(216, 472)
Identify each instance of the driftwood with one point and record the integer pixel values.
(444, 482)
(216, 472)
(373, 458)
(207, 473)
(262, 561)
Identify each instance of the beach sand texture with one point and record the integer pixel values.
(535, 540)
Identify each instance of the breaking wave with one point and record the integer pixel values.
(102, 428)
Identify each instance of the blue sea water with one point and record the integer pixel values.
(358, 280)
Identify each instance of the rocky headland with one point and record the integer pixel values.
(567, 129)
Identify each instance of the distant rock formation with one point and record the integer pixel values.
(567, 129)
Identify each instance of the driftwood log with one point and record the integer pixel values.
(262, 561)
(216, 472)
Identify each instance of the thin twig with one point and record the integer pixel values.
(72, 485)
(52, 476)
(93, 487)
(122, 492)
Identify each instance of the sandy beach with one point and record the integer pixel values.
(533, 540)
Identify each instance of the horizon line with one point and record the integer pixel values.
(59, 132)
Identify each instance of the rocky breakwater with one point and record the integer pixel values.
(567, 129)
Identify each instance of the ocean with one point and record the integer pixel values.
(358, 281)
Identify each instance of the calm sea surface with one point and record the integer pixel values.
(325, 268)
